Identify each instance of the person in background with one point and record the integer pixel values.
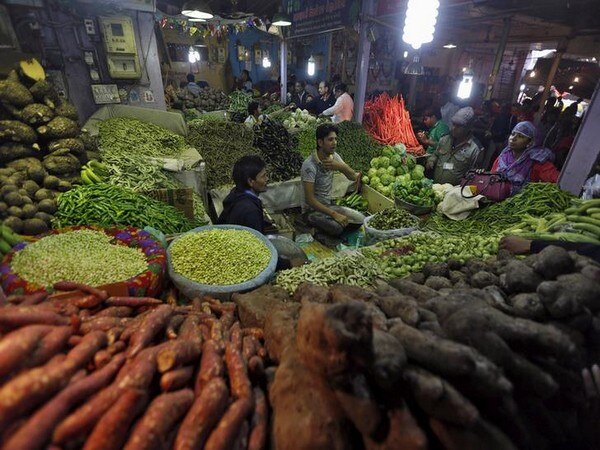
(244, 82)
(521, 246)
(456, 153)
(317, 180)
(343, 108)
(300, 98)
(437, 130)
(312, 90)
(191, 86)
(256, 117)
(243, 206)
(324, 101)
(448, 108)
(524, 160)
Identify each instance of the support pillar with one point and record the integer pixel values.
(498, 59)
(283, 71)
(560, 51)
(362, 66)
(585, 151)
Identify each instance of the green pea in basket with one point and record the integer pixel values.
(208, 261)
(147, 283)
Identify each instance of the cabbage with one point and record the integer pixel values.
(391, 171)
(384, 161)
(375, 163)
(382, 171)
(372, 172)
(396, 161)
(386, 180)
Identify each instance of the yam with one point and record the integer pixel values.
(553, 261)
(33, 227)
(438, 283)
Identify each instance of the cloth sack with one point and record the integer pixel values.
(455, 206)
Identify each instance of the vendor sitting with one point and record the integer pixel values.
(456, 153)
(256, 117)
(317, 180)
(243, 207)
(524, 160)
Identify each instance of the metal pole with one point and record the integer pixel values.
(560, 51)
(362, 66)
(283, 72)
(585, 150)
(498, 59)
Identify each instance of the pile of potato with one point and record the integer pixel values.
(42, 149)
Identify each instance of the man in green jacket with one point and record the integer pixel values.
(457, 152)
(437, 130)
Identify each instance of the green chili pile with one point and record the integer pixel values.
(536, 199)
(107, 205)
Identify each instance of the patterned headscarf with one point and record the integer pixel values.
(518, 171)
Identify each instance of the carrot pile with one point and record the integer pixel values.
(388, 121)
(133, 373)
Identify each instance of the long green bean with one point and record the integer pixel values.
(536, 199)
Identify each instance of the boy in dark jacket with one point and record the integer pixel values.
(243, 207)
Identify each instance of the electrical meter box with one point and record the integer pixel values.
(121, 49)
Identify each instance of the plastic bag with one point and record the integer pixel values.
(591, 188)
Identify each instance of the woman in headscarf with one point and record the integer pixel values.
(525, 160)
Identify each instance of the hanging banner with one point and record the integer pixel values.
(318, 16)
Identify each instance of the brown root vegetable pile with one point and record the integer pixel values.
(85, 370)
(42, 149)
(486, 355)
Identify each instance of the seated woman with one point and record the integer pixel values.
(243, 207)
(524, 160)
(256, 117)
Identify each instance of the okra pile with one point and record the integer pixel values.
(353, 269)
(219, 257)
(393, 219)
(83, 256)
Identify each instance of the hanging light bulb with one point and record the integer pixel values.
(419, 25)
(312, 66)
(466, 85)
(532, 74)
(576, 80)
(193, 55)
(266, 62)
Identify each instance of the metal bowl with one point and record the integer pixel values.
(412, 208)
(286, 248)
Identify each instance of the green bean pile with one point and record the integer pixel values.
(219, 257)
(354, 270)
(221, 144)
(536, 199)
(356, 146)
(130, 148)
(83, 256)
(398, 257)
(107, 205)
(122, 135)
(239, 101)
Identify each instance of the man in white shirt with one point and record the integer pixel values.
(344, 105)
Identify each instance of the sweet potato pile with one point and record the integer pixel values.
(97, 372)
(486, 355)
